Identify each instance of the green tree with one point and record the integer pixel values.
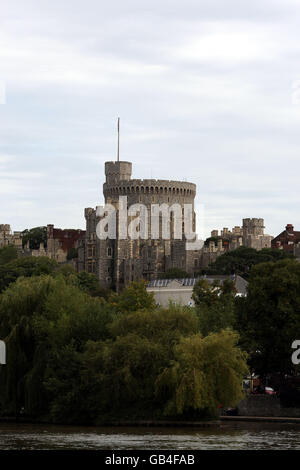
(44, 320)
(134, 297)
(174, 273)
(90, 284)
(215, 305)
(268, 319)
(8, 253)
(207, 373)
(35, 236)
(242, 259)
(72, 253)
(25, 267)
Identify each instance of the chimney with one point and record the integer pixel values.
(290, 229)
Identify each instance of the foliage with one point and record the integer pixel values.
(215, 240)
(7, 254)
(214, 303)
(35, 236)
(72, 253)
(269, 317)
(74, 358)
(174, 273)
(241, 260)
(207, 373)
(26, 267)
(42, 319)
(90, 284)
(134, 298)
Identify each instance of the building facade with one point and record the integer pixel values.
(250, 234)
(288, 240)
(119, 261)
(57, 245)
(180, 291)
(7, 237)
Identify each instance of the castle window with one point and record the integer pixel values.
(109, 252)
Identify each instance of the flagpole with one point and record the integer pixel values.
(118, 139)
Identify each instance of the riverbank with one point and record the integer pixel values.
(263, 419)
(122, 423)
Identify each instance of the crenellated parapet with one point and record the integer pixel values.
(150, 187)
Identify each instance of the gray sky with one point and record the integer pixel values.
(204, 89)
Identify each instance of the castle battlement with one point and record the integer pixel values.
(151, 186)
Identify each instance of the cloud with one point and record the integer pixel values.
(204, 91)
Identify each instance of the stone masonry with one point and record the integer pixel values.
(118, 262)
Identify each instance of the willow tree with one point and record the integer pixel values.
(207, 373)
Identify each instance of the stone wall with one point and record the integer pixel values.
(118, 262)
(265, 405)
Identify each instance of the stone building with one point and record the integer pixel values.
(119, 261)
(59, 242)
(58, 245)
(250, 234)
(288, 240)
(180, 291)
(7, 237)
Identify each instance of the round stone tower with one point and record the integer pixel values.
(146, 191)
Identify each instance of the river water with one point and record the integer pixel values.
(240, 436)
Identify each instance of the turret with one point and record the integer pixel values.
(117, 171)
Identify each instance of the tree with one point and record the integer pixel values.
(8, 253)
(72, 253)
(90, 284)
(26, 267)
(214, 304)
(174, 273)
(134, 297)
(207, 373)
(241, 260)
(164, 325)
(268, 319)
(35, 236)
(74, 358)
(46, 323)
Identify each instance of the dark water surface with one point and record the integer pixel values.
(243, 436)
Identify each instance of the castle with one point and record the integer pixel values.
(7, 237)
(250, 234)
(117, 262)
(57, 245)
